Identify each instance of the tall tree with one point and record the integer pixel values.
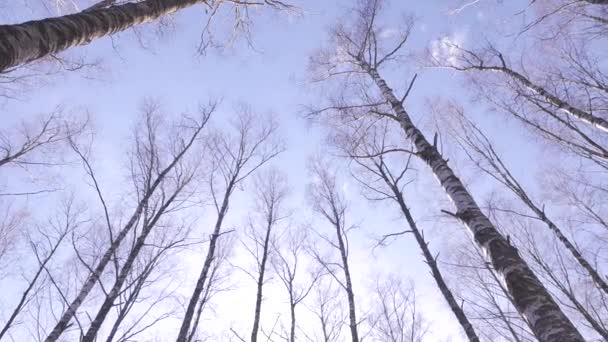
(492, 60)
(288, 266)
(174, 194)
(60, 228)
(481, 151)
(362, 52)
(26, 42)
(151, 168)
(396, 317)
(331, 205)
(270, 196)
(233, 159)
(369, 151)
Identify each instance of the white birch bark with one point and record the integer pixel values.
(530, 296)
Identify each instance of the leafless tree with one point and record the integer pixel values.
(31, 142)
(288, 264)
(396, 318)
(218, 282)
(329, 202)
(53, 234)
(480, 150)
(328, 310)
(358, 52)
(233, 159)
(489, 304)
(580, 300)
(369, 148)
(270, 193)
(154, 170)
(562, 106)
(29, 41)
(555, 17)
(260, 234)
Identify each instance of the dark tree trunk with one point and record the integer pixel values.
(259, 294)
(184, 330)
(430, 260)
(26, 42)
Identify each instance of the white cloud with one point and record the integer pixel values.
(445, 50)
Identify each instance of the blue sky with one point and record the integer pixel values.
(273, 79)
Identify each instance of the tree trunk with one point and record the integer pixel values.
(26, 42)
(595, 276)
(31, 284)
(430, 260)
(349, 286)
(200, 283)
(65, 319)
(566, 289)
(258, 299)
(292, 330)
(108, 303)
(578, 113)
(531, 298)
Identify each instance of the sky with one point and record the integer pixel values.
(272, 78)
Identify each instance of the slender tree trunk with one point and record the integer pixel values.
(258, 299)
(573, 111)
(566, 289)
(65, 319)
(30, 287)
(292, 330)
(108, 303)
(67, 316)
(506, 321)
(200, 283)
(349, 286)
(201, 305)
(432, 262)
(531, 298)
(593, 273)
(26, 42)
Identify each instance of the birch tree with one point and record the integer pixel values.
(557, 105)
(219, 278)
(482, 152)
(174, 194)
(363, 53)
(397, 319)
(555, 266)
(566, 17)
(31, 147)
(328, 312)
(375, 170)
(288, 264)
(330, 204)
(270, 193)
(233, 159)
(150, 169)
(488, 302)
(32, 40)
(60, 228)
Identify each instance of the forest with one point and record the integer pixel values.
(303, 170)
